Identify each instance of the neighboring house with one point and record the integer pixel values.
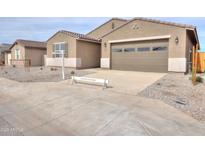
(3, 48)
(26, 52)
(80, 51)
(143, 44)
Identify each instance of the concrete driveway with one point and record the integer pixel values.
(58, 108)
(127, 82)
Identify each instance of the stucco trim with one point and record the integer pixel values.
(177, 65)
(105, 62)
(89, 41)
(68, 62)
(141, 39)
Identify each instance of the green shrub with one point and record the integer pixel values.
(72, 72)
(199, 79)
(53, 69)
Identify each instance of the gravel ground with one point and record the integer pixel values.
(37, 75)
(177, 90)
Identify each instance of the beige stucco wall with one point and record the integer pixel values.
(105, 28)
(35, 55)
(22, 51)
(148, 29)
(89, 53)
(60, 37)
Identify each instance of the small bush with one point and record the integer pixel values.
(53, 69)
(158, 84)
(199, 79)
(72, 72)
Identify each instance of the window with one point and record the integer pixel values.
(159, 49)
(129, 49)
(117, 50)
(143, 49)
(17, 54)
(59, 49)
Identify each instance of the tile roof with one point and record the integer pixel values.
(29, 43)
(153, 21)
(4, 47)
(79, 36)
(164, 22)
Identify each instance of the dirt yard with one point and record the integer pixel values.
(38, 74)
(177, 90)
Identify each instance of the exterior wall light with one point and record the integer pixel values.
(105, 44)
(176, 40)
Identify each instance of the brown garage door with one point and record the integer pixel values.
(146, 56)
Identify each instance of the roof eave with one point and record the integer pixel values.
(196, 35)
(26, 46)
(13, 45)
(53, 35)
(81, 39)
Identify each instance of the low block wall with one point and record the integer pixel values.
(68, 62)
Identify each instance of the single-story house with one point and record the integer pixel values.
(143, 44)
(80, 51)
(26, 52)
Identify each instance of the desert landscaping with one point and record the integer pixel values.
(176, 89)
(38, 74)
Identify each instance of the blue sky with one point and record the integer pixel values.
(43, 28)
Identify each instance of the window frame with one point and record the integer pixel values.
(17, 54)
(160, 47)
(129, 50)
(143, 48)
(57, 53)
(122, 50)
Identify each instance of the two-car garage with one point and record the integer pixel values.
(147, 55)
(148, 45)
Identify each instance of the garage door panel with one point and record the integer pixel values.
(141, 54)
(143, 68)
(142, 43)
(133, 64)
(139, 62)
(154, 61)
